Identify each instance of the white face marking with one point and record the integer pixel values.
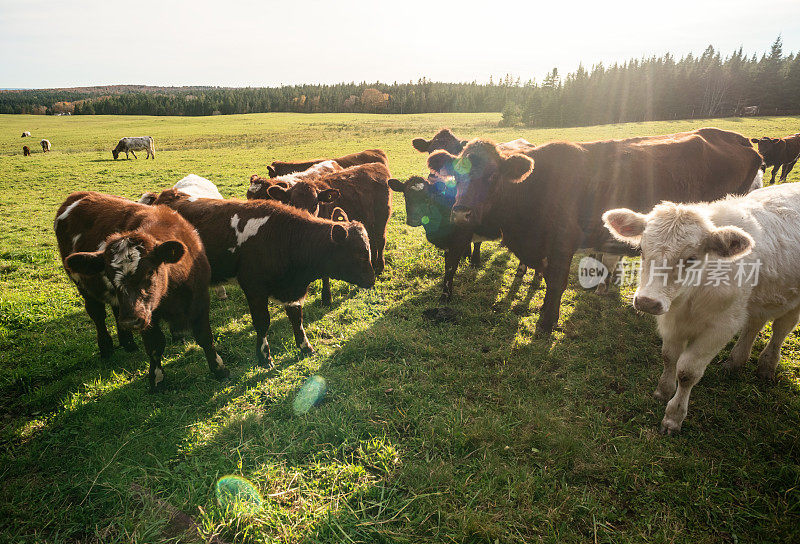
(254, 187)
(75, 241)
(159, 376)
(758, 181)
(192, 198)
(125, 260)
(66, 212)
(417, 187)
(249, 230)
(101, 247)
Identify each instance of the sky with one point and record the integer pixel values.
(264, 43)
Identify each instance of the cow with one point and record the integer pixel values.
(196, 187)
(274, 251)
(138, 143)
(548, 212)
(750, 110)
(745, 269)
(26, 134)
(45, 145)
(148, 263)
(445, 139)
(280, 168)
(26, 151)
(361, 191)
(259, 186)
(779, 153)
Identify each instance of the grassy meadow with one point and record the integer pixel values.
(466, 431)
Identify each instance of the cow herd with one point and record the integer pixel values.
(691, 204)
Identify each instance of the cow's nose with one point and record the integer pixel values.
(461, 215)
(132, 323)
(649, 305)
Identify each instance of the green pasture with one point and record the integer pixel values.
(471, 430)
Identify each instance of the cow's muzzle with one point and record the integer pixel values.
(649, 305)
(461, 215)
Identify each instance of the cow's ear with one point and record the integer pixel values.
(464, 143)
(754, 140)
(339, 216)
(86, 263)
(338, 234)
(169, 252)
(625, 225)
(420, 144)
(516, 167)
(396, 185)
(441, 160)
(729, 243)
(276, 192)
(328, 195)
(147, 198)
(254, 177)
(271, 171)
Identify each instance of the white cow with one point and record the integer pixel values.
(710, 270)
(137, 143)
(45, 145)
(26, 134)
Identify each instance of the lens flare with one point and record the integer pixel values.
(311, 394)
(235, 493)
(425, 220)
(462, 166)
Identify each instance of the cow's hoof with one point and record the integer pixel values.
(658, 394)
(306, 348)
(543, 333)
(130, 347)
(106, 349)
(475, 263)
(669, 428)
(156, 388)
(265, 362)
(222, 373)
(732, 366)
(327, 301)
(766, 374)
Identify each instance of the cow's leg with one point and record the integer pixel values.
(154, 343)
(97, 313)
(125, 335)
(522, 269)
(786, 169)
(475, 257)
(376, 252)
(294, 312)
(771, 354)
(671, 349)
(744, 345)
(220, 292)
(556, 275)
(327, 299)
(259, 312)
(690, 368)
(610, 262)
(127, 156)
(775, 169)
(201, 329)
(134, 154)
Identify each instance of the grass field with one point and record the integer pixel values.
(472, 431)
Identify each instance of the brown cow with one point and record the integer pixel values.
(779, 152)
(26, 151)
(361, 191)
(548, 212)
(274, 251)
(280, 168)
(148, 263)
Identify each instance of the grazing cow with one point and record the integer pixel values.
(548, 212)
(779, 153)
(138, 143)
(148, 263)
(26, 151)
(196, 187)
(26, 134)
(750, 110)
(45, 145)
(361, 191)
(259, 186)
(274, 251)
(745, 269)
(445, 139)
(280, 168)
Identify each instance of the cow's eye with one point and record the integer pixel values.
(692, 260)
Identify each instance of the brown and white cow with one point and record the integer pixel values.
(281, 168)
(45, 145)
(548, 212)
(258, 185)
(148, 263)
(779, 153)
(274, 251)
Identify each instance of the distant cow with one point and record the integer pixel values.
(26, 151)
(750, 110)
(259, 186)
(549, 212)
(743, 251)
(280, 168)
(779, 153)
(361, 191)
(138, 143)
(45, 145)
(274, 251)
(26, 134)
(148, 263)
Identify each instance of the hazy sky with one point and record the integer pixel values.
(263, 43)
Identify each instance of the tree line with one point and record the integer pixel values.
(656, 88)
